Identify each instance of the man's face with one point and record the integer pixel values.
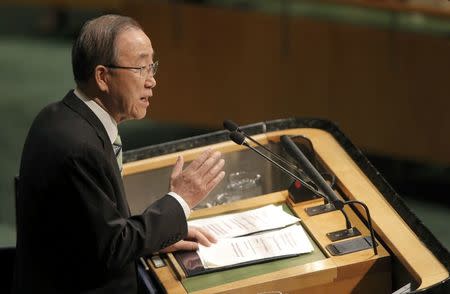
(129, 89)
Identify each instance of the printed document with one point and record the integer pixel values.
(288, 241)
(243, 223)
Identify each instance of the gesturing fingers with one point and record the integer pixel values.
(216, 180)
(213, 171)
(198, 162)
(199, 178)
(210, 162)
(178, 168)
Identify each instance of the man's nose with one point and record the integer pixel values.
(150, 82)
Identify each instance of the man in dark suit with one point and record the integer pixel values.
(75, 233)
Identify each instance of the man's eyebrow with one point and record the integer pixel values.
(143, 55)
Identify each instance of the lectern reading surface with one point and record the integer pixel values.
(402, 255)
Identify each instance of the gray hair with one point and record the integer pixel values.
(95, 44)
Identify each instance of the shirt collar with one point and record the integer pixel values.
(105, 118)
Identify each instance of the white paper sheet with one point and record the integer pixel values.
(288, 241)
(243, 223)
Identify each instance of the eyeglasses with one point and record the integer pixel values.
(144, 71)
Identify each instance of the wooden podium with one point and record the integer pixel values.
(405, 254)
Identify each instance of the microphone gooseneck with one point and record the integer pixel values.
(239, 139)
(312, 172)
(234, 127)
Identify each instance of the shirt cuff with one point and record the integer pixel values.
(183, 203)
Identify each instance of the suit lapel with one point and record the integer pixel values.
(74, 103)
(82, 109)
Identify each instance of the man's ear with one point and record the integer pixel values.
(101, 78)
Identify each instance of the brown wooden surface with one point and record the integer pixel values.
(434, 8)
(106, 5)
(361, 270)
(392, 229)
(421, 264)
(387, 90)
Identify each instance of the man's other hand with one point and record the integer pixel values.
(194, 237)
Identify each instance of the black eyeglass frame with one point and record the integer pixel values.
(153, 67)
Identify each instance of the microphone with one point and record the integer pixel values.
(312, 172)
(335, 202)
(239, 139)
(233, 127)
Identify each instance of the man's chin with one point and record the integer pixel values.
(135, 116)
(140, 115)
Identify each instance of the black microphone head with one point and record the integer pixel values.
(230, 125)
(284, 139)
(237, 138)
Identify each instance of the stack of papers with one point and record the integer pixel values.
(277, 237)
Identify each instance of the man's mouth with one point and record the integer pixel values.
(145, 100)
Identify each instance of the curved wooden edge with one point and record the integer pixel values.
(272, 198)
(292, 279)
(176, 266)
(167, 277)
(345, 271)
(170, 159)
(398, 236)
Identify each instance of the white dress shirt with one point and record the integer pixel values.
(110, 125)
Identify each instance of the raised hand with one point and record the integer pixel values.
(199, 178)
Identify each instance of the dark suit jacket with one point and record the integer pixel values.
(74, 231)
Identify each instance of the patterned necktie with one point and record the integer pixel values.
(117, 147)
